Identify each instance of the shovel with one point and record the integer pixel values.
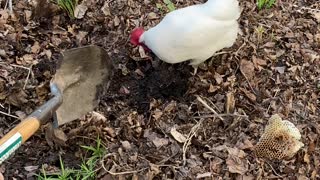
(83, 73)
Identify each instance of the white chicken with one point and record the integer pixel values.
(192, 33)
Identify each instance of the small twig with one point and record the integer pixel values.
(212, 104)
(26, 81)
(274, 171)
(273, 97)
(186, 144)
(222, 115)
(126, 172)
(207, 106)
(243, 44)
(18, 66)
(28, 76)
(10, 7)
(222, 52)
(306, 8)
(1, 105)
(7, 114)
(5, 6)
(122, 173)
(249, 84)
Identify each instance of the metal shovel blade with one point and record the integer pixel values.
(81, 75)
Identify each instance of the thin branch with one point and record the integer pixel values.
(26, 81)
(208, 107)
(275, 94)
(186, 144)
(274, 171)
(7, 114)
(10, 7)
(222, 115)
(122, 173)
(18, 66)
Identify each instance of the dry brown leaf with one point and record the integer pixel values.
(126, 145)
(80, 11)
(60, 136)
(111, 132)
(35, 48)
(170, 107)
(31, 168)
(4, 15)
(154, 170)
(258, 62)
(247, 68)
(153, 137)
(314, 174)
(218, 78)
(139, 72)
(81, 35)
(116, 21)
(178, 136)
(4, 74)
(306, 158)
(142, 52)
(27, 59)
(269, 44)
(157, 114)
(249, 95)
(48, 53)
(20, 114)
(3, 53)
(249, 177)
(302, 177)
(204, 175)
(55, 136)
(246, 144)
(280, 69)
(40, 5)
(152, 15)
(17, 98)
(98, 116)
(213, 88)
(236, 162)
(124, 90)
(230, 103)
(316, 15)
(216, 164)
(106, 9)
(28, 15)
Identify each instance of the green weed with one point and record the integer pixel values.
(169, 5)
(265, 3)
(68, 6)
(87, 169)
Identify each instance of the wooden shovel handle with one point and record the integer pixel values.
(17, 136)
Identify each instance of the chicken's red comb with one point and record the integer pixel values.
(135, 35)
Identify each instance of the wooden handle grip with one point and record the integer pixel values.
(26, 129)
(17, 136)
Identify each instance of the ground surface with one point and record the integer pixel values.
(274, 67)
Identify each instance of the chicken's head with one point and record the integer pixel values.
(135, 37)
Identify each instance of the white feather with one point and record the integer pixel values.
(194, 33)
